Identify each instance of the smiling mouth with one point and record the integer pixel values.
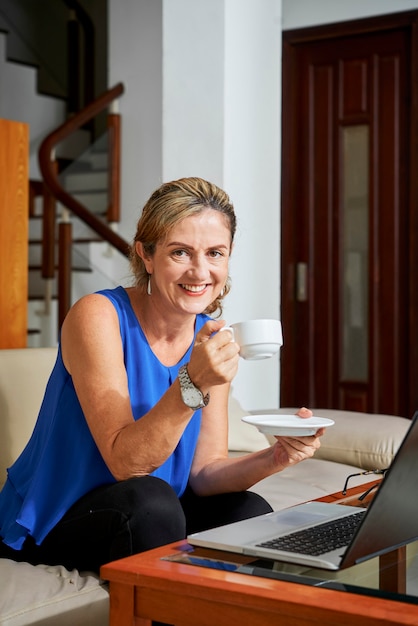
(194, 288)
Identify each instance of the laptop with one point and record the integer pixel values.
(389, 522)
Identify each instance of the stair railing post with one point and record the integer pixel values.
(48, 241)
(114, 155)
(64, 266)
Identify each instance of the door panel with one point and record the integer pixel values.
(346, 219)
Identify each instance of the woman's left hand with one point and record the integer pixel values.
(291, 450)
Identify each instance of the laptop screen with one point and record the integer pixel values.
(392, 517)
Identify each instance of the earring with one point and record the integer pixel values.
(221, 295)
(149, 285)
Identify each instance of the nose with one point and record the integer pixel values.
(199, 268)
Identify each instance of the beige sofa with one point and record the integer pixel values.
(42, 595)
(54, 596)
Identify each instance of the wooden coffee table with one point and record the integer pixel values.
(149, 586)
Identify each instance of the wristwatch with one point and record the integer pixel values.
(190, 394)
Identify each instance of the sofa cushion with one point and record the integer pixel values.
(49, 595)
(365, 440)
(241, 436)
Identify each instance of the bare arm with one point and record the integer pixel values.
(93, 355)
(216, 473)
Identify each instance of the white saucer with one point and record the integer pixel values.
(287, 425)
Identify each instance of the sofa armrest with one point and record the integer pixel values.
(366, 440)
(24, 373)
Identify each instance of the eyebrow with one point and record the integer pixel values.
(179, 244)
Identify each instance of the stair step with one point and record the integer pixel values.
(33, 267)
(74, 146)
(32, 297)
(80, 232)
(80, 254)
(36, 288)
(87, 162)
(79, 240)
(95, 201)
(99, 160)
(85, 181)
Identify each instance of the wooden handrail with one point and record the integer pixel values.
(50, 176)
(49, 170)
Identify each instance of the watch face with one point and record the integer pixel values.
(192, 397)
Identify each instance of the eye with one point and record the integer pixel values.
(181, 253)
(216, 254)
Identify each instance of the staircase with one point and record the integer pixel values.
(86, 179)
(83, 173)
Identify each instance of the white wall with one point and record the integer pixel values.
(220, 120)
(135, 59)
(20, 101)
(301, 13)
(193, 89)
(252, 177)
(135, 32)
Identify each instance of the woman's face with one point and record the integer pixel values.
(190, 267)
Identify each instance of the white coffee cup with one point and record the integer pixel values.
(258, 339)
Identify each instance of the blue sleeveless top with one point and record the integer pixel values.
(61, 461)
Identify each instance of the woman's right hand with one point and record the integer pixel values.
(214, 359)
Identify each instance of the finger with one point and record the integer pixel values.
(207, 330)
(304, 412)
(298, 442)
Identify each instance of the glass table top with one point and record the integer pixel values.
(363, 578)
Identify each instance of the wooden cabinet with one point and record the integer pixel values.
(14, 183)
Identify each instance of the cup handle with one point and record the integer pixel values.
(231, 330)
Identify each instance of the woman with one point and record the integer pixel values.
(130, 448)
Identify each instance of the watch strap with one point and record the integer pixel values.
(186, 383)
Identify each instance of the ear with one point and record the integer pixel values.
(139, 249)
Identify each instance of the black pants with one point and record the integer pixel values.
(132, 516)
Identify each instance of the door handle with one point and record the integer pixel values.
(301, 282)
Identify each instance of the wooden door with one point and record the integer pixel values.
(349, 224)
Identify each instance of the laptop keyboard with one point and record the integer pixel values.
(319, 539)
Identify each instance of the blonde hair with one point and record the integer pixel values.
(170, 204)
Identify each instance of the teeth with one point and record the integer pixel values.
(195, 288)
